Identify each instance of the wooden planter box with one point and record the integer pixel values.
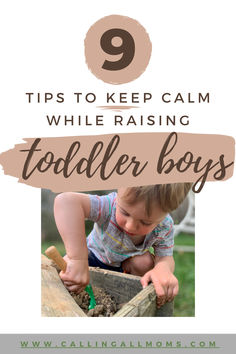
(126, 288)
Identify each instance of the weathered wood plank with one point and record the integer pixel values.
(55, 299)
(122, 286)
(144, 305)
(126, 288)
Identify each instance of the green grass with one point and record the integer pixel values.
(58, 244)
(184, 239)
(185, 273)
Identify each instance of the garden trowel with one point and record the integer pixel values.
(53, 254)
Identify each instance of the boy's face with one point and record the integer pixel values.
(133, 218)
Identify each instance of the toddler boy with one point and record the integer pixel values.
(126, 225)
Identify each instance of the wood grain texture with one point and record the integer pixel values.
(56, 300)
(144, 305)
(126, 288)
(122, 286)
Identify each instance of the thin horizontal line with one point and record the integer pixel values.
(117, 108)
(119, 347)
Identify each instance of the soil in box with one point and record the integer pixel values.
(106, 306)
(127, 298)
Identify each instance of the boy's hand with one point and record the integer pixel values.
(76, 276)
(164, 281)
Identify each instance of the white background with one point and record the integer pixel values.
(42, 51)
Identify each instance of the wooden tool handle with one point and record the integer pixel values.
(53, 253)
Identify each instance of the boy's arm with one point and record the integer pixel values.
(168, 261)
(163, 279)
(70, 211)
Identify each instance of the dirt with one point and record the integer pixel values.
(106, 305)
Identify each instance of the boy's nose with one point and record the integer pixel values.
(131, 226)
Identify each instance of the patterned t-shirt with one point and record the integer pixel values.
(112, 245)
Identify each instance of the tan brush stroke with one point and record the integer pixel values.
(145, 146)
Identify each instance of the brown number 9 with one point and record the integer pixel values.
(127, 48)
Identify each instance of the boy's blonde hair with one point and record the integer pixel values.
(167, 196)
